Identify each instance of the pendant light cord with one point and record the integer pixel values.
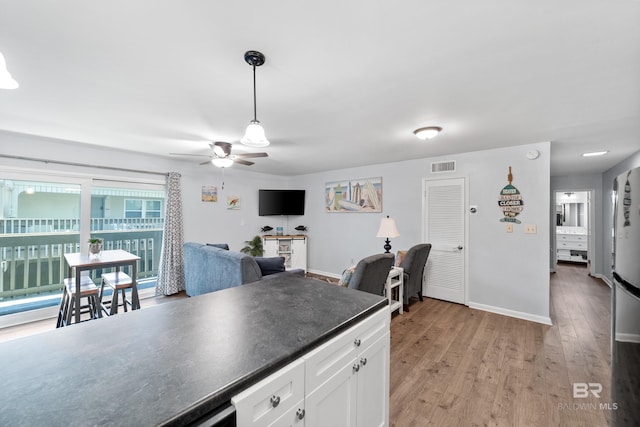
(255, 114)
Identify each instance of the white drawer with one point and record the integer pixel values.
(580, 246)
(292, 418)
(268, 400)
(330, 357)
(572, 237)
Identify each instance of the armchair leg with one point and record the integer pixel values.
(420, 296)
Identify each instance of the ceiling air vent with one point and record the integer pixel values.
(448, 166)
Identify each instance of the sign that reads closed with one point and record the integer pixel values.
(510, 201)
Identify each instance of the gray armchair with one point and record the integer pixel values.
(413, 265)
(371, 273)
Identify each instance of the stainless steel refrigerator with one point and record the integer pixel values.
(625, 336)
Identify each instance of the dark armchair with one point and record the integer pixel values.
(371, 273)
(413, 265)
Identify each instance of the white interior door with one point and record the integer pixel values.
(445, 229)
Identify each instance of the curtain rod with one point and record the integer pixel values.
(59, 162)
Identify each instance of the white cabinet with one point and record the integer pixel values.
(572, 247)
(292, 248)
(343, 382)
(347, 378)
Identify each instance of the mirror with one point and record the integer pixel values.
(571, 209)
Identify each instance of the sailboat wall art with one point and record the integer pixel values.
(354, 195)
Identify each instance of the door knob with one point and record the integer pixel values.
(300, 414)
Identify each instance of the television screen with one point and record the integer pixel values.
(280, 202)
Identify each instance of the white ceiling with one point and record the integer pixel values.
(344, 84)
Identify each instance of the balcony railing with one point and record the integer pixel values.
(33, 263)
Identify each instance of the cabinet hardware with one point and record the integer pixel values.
(363, 361)
(275, 400)
(356, 367)
(300, 414)
(357, 342)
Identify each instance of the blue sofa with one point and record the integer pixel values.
(210, 268)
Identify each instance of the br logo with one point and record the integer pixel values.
(582, 390)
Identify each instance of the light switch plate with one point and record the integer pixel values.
(530, 229)
(509, 228)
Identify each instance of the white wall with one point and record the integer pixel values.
(508, 272)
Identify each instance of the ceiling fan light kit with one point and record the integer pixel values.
(222, 162)
(254, 135)
(427, 132)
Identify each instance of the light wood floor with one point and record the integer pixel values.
(455, 366)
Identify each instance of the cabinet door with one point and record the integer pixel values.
(373, 385)
(334, 402)
(299, 253)
(270, 247)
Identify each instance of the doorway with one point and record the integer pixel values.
(573, 237)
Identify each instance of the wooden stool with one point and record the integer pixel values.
(119, 282)
(88, 290)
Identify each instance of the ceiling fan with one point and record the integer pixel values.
(221, 155)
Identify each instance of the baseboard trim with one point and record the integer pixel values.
(324, 273)
(623, 337)
(604, 278)
(512, 313)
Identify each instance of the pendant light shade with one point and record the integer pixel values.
(254, 135)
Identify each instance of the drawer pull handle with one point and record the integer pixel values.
(356, 367)
(357, 342)
(363, 361)
(300, 414)
(275, 400)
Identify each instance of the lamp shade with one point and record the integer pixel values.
(388, 228)
(254, 135)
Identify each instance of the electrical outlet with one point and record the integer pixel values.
(509, 228)
(530, 229)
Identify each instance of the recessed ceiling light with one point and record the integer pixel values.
(428, 132)
(595, 153)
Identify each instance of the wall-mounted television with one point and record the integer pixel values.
(280, 202)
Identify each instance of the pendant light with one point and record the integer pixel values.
(254, 136)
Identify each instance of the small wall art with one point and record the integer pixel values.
(209, 194)
(233, 202)
(354, 195)
(510, 201)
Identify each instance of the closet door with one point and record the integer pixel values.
(445, 229)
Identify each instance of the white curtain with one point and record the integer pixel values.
(171, 269)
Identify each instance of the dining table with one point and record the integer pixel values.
(78, 262)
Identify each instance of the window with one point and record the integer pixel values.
(41, 220)
(137, 208)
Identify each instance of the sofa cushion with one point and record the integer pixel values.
(270, 265)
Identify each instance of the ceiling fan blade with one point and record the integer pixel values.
(243, 162)
(205, 163)
(222, 149)
(185, 154)
(250, 155)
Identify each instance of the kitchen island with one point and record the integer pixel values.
(174, 363)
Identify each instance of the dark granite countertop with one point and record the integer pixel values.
(171, 363)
